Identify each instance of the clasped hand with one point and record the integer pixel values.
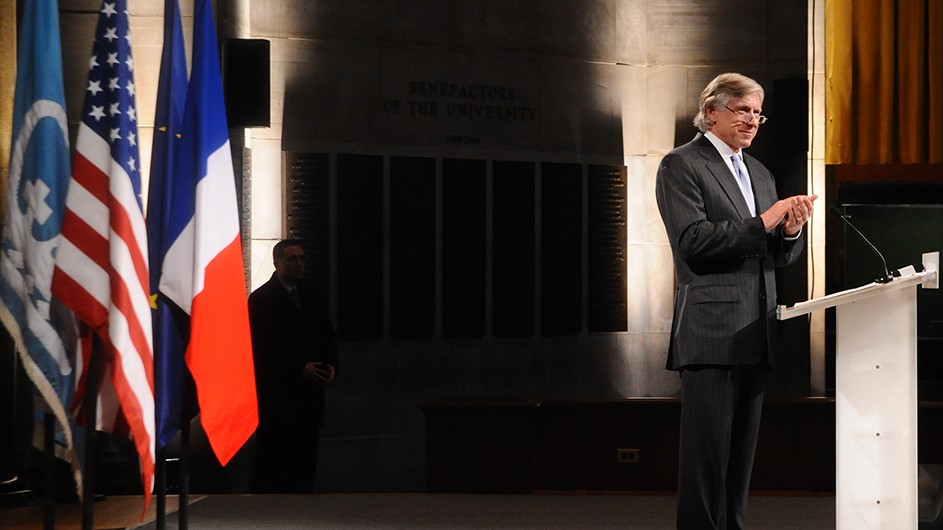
(321, 373)
(796, 210)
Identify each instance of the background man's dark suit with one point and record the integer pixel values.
(725, 259)
(291, 407)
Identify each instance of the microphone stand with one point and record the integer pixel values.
(888, 276)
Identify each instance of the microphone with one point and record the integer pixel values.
(888, 277)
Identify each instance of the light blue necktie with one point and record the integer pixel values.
(744, 181)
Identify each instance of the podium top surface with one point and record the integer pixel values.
(852, 295)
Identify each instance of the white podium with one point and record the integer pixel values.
(875, 398)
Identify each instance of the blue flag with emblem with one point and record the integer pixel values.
(42, 329)
(171, 325)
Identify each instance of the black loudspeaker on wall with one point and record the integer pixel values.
(791, 126)
(246, 81)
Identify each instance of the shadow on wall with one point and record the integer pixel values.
(403, 146)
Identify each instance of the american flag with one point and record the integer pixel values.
(101, 266)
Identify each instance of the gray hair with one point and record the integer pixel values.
(719, 91)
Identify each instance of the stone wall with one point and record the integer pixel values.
(602, 82)
(593, 83)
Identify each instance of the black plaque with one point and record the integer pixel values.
(359, 247)
(607, 248)
(412, 248)
(513, 253)
(561, 247)
(463, 248)
(307, 208)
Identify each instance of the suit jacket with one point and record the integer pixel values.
(284, 339)
(724, 260)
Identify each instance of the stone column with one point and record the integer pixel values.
(233, 22)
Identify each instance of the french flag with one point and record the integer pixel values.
(203, 271)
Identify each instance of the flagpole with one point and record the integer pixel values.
(49, 498)
(91, 437)
(160, 468)
(91, 445)
(160, 463)
(183, 514)
(160, 485)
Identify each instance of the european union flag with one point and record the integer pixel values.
(171, 325)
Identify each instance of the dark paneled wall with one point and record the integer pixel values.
(527, 446)
(486, 232)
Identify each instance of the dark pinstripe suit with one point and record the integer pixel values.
(721, 337)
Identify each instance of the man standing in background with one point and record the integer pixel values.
(295, 359)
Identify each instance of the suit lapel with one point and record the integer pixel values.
(725, 179)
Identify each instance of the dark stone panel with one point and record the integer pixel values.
(783, 149)
(781, 464)
(307, 192)
(463, 248)
(705, 32)
(786, 135)
(607, 249)
(359, 247)
(583, 29)
(579, 444)
(431, 22)
(787, 36)
(347, 20)
(582, 107)
(513, 255)
(412, 248)
(330, 92)
(481, 448)
(561, 249)
(575, 445)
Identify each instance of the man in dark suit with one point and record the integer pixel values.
(295, 359)
(728, 232)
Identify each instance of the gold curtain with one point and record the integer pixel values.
(7, 85)
(884, 81)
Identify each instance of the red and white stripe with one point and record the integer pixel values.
(101, 274)
(108, 417)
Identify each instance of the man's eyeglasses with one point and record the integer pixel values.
(747, 116)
